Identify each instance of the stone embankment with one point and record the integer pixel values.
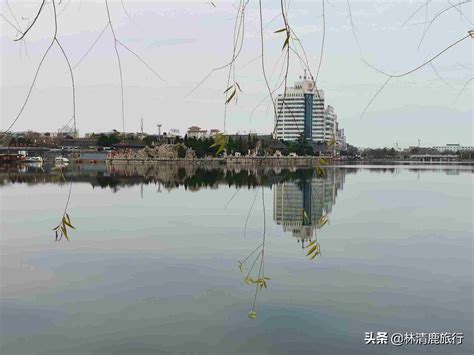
(182, 155)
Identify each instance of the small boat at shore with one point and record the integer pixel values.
(34, 160)
(61, 161)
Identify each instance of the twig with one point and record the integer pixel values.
(92, 46)
(72, 84)
(10, 23)
(141, 60)
(375, 95)
(37, 70)
(353, 26)
(248, 214)
(437, 74)
(34, 20)
(416, 11)
(461, 91)
(436, 16)
(119, 65)
(322, 47)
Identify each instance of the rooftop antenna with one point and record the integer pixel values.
(141, 125)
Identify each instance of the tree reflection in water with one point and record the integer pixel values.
(302, 198)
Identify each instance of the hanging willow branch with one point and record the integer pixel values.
(54, 40)
(392, 76)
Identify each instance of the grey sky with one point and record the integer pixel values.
(184, 40)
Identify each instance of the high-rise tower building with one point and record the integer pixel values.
(302, 113)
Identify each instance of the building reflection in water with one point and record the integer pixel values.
(298, 206)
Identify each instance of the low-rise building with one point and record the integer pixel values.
(196, 132)
(453, 148)
(78, 143)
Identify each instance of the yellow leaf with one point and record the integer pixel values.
(312, 250)
(248, 280)
(231, 96)
(64, 230)
(287, 41)
(69, 224)
(313, 256)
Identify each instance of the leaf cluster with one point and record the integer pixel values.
(233, 89)
(262, 281)
(62, 228)
(314, 249)
(220, 142)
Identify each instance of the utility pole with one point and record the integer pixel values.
(159, 130)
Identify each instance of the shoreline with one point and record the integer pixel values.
(282, 162)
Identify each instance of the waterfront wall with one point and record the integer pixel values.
(229, 161)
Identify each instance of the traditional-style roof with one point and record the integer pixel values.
(194, 129)
(277, 145)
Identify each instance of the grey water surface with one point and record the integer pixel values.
(153, 266)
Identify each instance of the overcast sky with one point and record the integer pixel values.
(184, 40)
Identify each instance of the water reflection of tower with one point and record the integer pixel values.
(299, 205)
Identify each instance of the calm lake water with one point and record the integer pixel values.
(153, 267)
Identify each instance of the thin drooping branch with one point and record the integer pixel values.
(464, 66)
(238, 42)
(238, 37)
(262, 56)
(375, 95)
(436, 16)
(322, 47)
(73, 85)
(249, 213)
(34, 20)
(28, 95)
(286, 45)
(461, 13)
(415, 12)
(119, 66)
(10, 23)
(64, 8)
(392, 76)
(461, 91)
(429, 60)
(13, 15)
(353, 26)
(141, 60)
(438, 75)
(303, 59)
(230, 200)
(126, 12)
(92, 46)
(253, 252)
